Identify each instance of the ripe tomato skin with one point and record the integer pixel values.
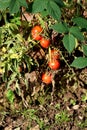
(36, 32)
(55, 54)
(54, 64)
(47, 78)
(45, 42)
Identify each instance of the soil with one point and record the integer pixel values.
(61, 108)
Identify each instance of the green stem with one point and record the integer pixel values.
(67, 64)
(5, 18)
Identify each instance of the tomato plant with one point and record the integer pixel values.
(54, 64)
(44, 42)
(17, 49)
(36, 32)
(47, 78)
(55, 54)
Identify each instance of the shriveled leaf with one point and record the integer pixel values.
(81, 22)
(39, 5)
(18, 128)
(54, 10)
(13, 26)
(75, 31)
(84, 49)
(28, 61)
(69, 42)
(35, 128)
(60, 28)
(80, 62)
(17, 88)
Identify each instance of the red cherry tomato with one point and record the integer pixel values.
(55, 54)
(45, 42)
(36, 32)
(47, 78)
(54, 64)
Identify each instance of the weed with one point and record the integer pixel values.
(82, 124)
(84, 97)
(62, 117)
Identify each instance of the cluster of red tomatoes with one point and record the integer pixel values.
(36, 33)
(53, 61)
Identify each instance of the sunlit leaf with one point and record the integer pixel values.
(69, 42)
(15, 5)
(75, 31)
(54, 10)
(80, 62)
(60, 28)
(4, 4)
(39, 5)
(84, 49)
(81, 22)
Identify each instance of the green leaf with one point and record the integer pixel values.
(69, 42)
(81, 22)
(23, 3)
(10, 95)
(80, 62)
(14, 6)
(6, 72)
(28, 61)
(12, 79)
(84, 49)
(75, 31)
(59, 2)
(53, 10)
(39, 5)
(44, 13)
(60, 28)
(4, 4)
(16, 21)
